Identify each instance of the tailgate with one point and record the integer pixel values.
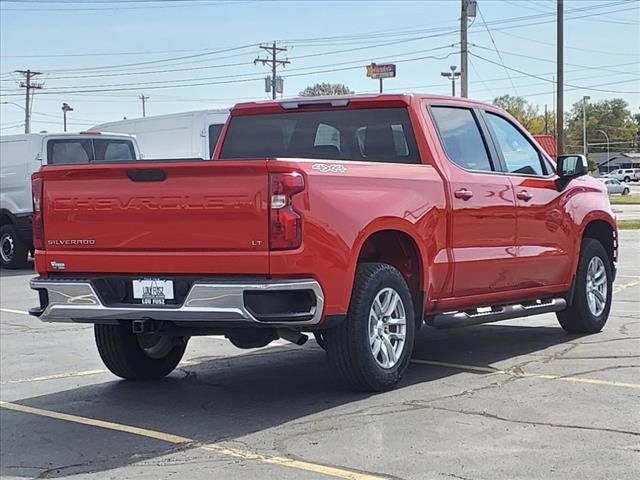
(188, 216)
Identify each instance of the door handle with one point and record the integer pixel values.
(463, 193)
(147, 175)
(524, 195)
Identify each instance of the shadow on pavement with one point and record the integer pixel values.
(224, 399)
(4, 272)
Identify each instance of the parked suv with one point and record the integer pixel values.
(625, 175)
(356, 218)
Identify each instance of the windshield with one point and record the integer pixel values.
(373, 135)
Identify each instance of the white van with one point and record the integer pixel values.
(22, 155)
(178, 135)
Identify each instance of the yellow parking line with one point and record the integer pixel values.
(543, 376)
(11, 310)
(83, 373)
(212, 447)
(619, 288)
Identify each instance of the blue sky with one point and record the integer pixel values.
(91, 53)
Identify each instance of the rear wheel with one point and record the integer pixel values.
(627, 179)
(13, 252)
(626, 191)
(589, 310)
(138, 356)
(371, 349)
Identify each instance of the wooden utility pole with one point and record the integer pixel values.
(28, 85)
(273, 50)
(560, 77)
(464, 80)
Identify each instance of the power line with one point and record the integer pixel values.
(496, 49)
(28, 86)
(551, 81)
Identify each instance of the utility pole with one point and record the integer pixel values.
(144, 104)
(66, 108)
(28, 85)
(584, 124)
(272, 50)
(452, 75)
(560, 75)
(467, 11)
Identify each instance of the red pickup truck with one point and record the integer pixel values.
(358, 219)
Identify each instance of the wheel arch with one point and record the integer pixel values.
(398, 246)
(6, 217)
(605, 232)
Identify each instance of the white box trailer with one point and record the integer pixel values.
(22, 155)
(177, 135)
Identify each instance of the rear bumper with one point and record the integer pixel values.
(259, 301)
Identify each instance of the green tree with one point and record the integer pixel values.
(527, 114)
(611, 116)
(326, 89)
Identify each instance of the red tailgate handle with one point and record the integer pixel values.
(463, 193)
(524, 195)
(147, 175)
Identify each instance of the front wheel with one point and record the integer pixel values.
(589, 311)
(371, 349)
(627, 179)
(138, 356)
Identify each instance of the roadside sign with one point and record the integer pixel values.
(385, 70)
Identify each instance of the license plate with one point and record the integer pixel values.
(153, 291)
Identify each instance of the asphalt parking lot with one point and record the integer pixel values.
(515, 399)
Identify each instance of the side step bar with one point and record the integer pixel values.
(495, 313)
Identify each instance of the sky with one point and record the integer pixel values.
(100, 56)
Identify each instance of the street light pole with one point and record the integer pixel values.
(66, 108)
(584, 124)
(608, 154)
(452, 75)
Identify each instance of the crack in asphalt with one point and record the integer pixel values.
(419, 404)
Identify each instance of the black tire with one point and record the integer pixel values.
(578, 317)
(14, 252)
(319, 336)
(348, 345)
(121, 351)
(626, 191)
(627, 179)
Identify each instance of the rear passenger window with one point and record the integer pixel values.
(461, 137)
(69, 152)
(113, 150)
(519, 154)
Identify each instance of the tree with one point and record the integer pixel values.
(326, 89)
(527, 114)
(611, 116)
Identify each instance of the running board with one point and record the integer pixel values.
(496, 313)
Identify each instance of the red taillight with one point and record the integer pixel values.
(37, 224)
(285, 228)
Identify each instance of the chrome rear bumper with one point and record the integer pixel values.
(70, 300)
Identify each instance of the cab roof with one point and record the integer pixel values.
(366, 100)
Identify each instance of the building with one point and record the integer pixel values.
(608, 162)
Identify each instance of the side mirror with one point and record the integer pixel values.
(571, 166)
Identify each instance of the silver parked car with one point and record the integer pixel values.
(615, 186)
